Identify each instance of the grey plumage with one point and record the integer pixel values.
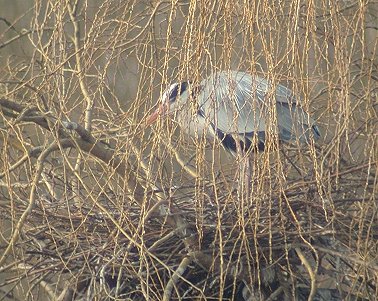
(235, 107)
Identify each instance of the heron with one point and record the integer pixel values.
(235, 108)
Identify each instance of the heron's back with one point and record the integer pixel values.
(237, 103)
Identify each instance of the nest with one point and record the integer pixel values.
(280, 244)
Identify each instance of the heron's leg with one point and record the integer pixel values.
(244, 176)
(247, 175)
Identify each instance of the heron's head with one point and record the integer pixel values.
(169, 101)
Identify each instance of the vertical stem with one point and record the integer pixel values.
(72, 10)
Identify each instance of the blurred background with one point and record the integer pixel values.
(120, 215)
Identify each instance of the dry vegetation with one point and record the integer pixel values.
(94, 206)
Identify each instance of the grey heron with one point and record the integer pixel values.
(234, 107)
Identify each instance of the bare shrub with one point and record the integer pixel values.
(96, 206)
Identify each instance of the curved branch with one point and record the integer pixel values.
(175, 277)
(310, 273)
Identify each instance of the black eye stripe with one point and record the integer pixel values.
(173, 94)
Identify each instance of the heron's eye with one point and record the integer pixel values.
(183, 87)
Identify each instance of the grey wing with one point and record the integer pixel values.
(231, 102)
(235, 102)
(293, 122)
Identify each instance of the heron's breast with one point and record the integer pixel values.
(194, 124)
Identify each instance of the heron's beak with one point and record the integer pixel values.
(162, 110)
